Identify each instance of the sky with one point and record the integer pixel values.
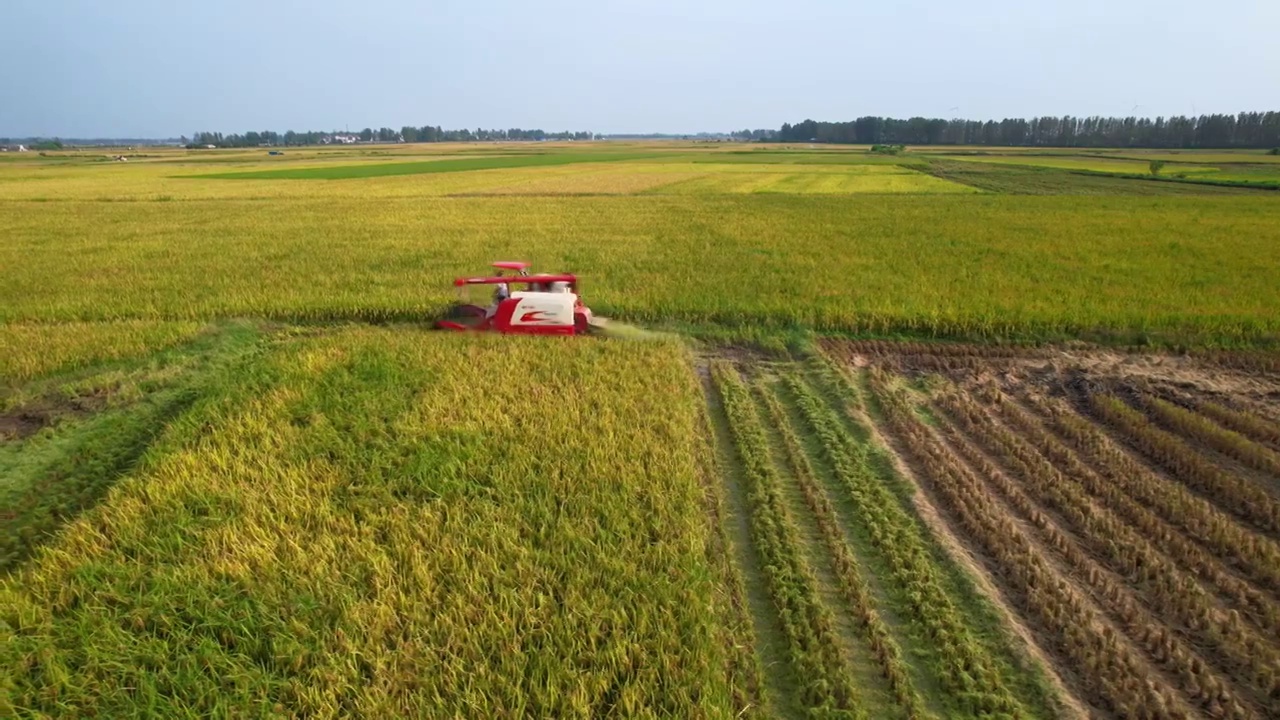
(145, 68)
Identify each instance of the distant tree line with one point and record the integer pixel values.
(760, 135)
(35, 143)
(408, 133)
(698, 136)
(1246, 130)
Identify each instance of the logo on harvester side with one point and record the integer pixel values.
(532, 316)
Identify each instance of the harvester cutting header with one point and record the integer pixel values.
(549, 304)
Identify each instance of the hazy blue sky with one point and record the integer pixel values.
(149, 68)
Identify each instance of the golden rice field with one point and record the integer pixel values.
(342, 528)
(33, 349)
(884, 439)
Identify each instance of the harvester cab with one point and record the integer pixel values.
(542, 304)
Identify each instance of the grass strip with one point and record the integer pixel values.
(886, 650)
(807, 624)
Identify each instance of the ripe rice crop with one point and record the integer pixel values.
(28, 350)
(380, 522)
(365, 170)
(1114, 268)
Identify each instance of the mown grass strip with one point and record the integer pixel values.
(350, 172)
(889, 596)
(851, 577)
(964, 666)
(738, 634)
(807, 624)
(1039, 180)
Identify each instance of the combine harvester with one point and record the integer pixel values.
(550, 304)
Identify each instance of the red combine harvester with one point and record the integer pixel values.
(549, 304)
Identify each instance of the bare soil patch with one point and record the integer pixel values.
(29, 418)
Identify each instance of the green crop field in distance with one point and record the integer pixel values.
(344, 172)
(1031, 179)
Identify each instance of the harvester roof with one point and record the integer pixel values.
(516, 279)
(511, 265)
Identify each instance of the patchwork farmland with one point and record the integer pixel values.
(950, 433)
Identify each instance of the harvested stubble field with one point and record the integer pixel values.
(239, 477)
(1126, 508)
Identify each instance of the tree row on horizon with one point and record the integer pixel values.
(1245, 130)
